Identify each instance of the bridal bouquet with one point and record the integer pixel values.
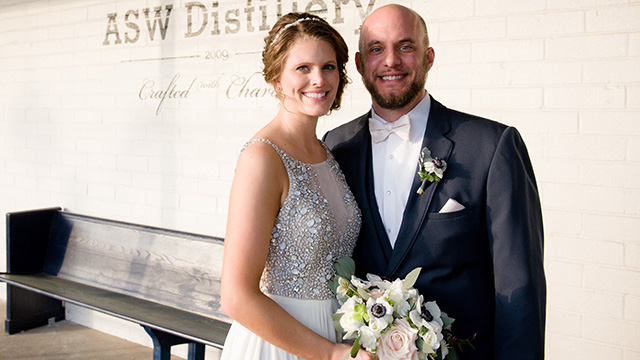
(390, 319)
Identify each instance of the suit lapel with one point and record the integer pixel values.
(415, 213)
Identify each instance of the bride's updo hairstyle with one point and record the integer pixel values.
(293, 27)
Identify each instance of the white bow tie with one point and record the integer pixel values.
(380, 131)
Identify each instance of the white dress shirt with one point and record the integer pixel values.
(395, 164)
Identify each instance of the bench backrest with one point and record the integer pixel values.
(173, 268)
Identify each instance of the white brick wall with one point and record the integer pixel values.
(566, 73)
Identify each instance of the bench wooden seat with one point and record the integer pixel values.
(166, 281)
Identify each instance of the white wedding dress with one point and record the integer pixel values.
(318, 223)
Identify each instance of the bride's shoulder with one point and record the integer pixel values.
(260, 149)
(259, 158)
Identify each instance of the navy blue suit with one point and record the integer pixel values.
(483, 264)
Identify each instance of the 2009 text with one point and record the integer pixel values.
(221, 54)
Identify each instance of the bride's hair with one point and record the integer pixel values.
(286, 31)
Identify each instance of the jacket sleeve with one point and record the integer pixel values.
(514, 223)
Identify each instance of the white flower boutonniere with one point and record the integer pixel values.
(431, 169)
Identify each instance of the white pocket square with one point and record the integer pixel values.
(451, 206)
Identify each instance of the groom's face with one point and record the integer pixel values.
(394, 58)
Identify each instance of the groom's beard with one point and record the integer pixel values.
(397, 101)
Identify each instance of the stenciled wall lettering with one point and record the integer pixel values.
(247, 87)
(149, 90)
(237, 86)
(208, 18)
(200, 42)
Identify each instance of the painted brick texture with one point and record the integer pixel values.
(133, 118)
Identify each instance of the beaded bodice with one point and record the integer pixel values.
(307, 237)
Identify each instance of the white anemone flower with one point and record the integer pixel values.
(432, 165)
(380, 309)
(428, 315)
(435, 312)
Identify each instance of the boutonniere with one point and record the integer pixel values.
(430, 169)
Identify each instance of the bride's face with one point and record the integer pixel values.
(309, 79)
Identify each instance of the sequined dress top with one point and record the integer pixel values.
(318, 223)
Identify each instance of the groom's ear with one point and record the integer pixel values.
(431, 56)
(359, 63)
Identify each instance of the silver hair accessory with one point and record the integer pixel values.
(290, 25)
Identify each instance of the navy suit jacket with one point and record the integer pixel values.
(484, 264)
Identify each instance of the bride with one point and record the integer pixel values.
(291, 213)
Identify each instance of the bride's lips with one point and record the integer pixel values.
(316, 95)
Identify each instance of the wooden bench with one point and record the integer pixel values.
(166, 281)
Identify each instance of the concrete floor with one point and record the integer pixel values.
(68, 341)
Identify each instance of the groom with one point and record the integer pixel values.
(477, 233)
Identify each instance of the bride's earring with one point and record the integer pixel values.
(279, 91)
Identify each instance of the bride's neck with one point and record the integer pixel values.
(297, 136)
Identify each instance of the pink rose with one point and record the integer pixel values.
(399, 343)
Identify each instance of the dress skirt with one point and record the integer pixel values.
(242, 344)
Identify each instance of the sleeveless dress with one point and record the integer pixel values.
(318, 223)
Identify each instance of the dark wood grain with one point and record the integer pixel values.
(162, 279)
(172, 268)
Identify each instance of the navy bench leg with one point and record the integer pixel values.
(162, 343)
(196, 351)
